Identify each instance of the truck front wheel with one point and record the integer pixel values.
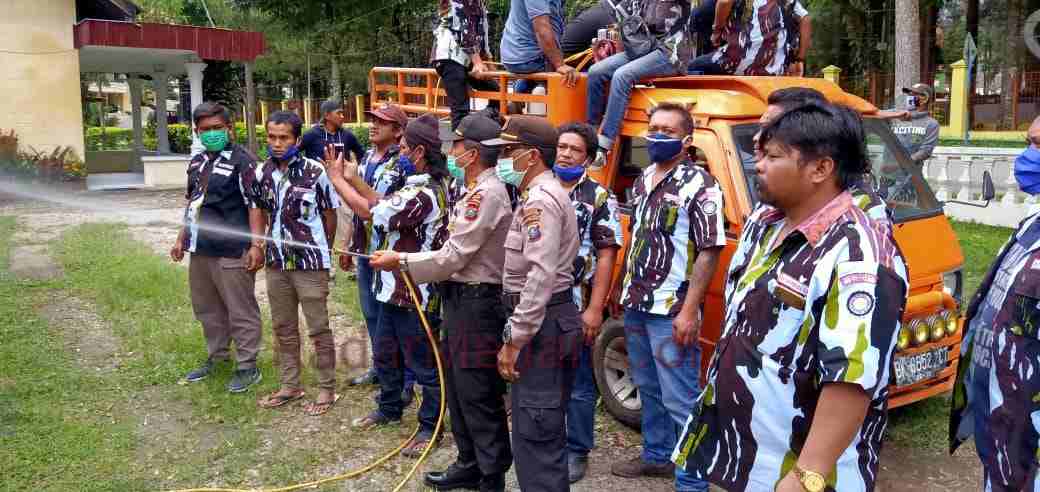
(613, 375)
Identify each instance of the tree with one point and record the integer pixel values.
(908, 43)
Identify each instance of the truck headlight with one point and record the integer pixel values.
(950, 318)
(936, 327)
(953, 282)
(903, 339)
(919, 330)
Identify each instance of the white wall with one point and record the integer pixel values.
(40, 82)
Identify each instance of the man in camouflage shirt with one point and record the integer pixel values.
(996, 396)
(599, 231)
(677, 231)
(757, 37)
(300, 204)
(797, 392)
(460, 45)
(409, 220)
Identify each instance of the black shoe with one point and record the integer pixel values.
(407, 397)
(202, 372)
(493, 483)
(243, 379)
(455, 477)
(576, 467)
(369, 377)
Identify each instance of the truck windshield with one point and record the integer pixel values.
(895, 177)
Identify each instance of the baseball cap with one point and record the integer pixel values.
(390, 112)
(920, 89)
(535, 131)
(425, 131)
(330, 105)
(476, 126)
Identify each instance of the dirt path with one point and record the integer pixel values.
(168, 427)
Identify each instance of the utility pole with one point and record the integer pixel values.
(307, 105)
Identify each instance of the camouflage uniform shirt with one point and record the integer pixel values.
(294, 201)
(376, 176)
(669, 23)
(410, 220)
(997, 396)
(821, 306)
(759, 40)
(670, 224)
(461, 32)
(599, 227)
(217, 198)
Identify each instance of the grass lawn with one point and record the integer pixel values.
(924, 425)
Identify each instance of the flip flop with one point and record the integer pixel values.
(415, 447)
(274, 400)
(316, 408)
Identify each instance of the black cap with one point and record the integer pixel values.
(424, 131)
(476, 126)
(526, 130)
(330, 105)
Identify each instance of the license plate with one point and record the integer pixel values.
(918, 367)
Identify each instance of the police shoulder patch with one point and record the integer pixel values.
(534, 232)
(860, 303)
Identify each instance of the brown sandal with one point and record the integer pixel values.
(316, 408)
(416, 446)
(275, 400)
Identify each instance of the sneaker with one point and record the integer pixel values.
(369, 377)
(576, 467)
(200, 373)
(243, 379)
(373, 420)
(635, 468)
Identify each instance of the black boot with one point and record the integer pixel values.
(493, 483)
(457, 476)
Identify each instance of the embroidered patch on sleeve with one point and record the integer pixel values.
(860, 303)
(534, 232)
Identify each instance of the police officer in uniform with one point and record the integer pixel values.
(469, 265)
(543, 332)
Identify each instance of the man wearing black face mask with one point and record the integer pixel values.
(678, 231)
(914, 127)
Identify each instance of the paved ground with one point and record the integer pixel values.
(153, 222)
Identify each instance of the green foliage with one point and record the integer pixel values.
(1011, 143)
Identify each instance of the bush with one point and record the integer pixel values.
(62, 163)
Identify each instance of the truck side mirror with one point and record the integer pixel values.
(989, 192)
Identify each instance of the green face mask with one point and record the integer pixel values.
(214, 140)
(456, 171)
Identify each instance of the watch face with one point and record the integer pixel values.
(813, 483)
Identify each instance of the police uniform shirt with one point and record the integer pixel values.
(821, 305)
(477, 230)
(540, 249)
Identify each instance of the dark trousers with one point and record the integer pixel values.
(473, 324)
(370, 309)
(581, 409)
(400, 341)
(546, 364)
(457, 81)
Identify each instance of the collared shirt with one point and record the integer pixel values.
(374, 173)
(295, 200)
(669, 23)
(477, 229)
(540, 249)
(519, 42)
(599, 227)
(410, 220)
(461, 32)
(822, 305)
(217, 198)
(670, 224)
(762, 39)
(999, 376)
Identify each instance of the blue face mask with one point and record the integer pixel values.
(1027, 170)
(662, 148)
(569, 174)
(405, 164)
(291, 152)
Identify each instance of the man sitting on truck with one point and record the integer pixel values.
(531, 40)
(763, 37)
(460, 44)
(678, 232)
(797, 392)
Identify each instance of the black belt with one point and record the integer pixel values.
(469, 289)
(512, 299)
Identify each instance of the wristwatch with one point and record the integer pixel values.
(810, 480)
(507, 333)
(404, 262)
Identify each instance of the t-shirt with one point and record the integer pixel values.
(919, 134)
(519, 43)
(315, 140)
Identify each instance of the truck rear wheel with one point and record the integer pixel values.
(613, 375)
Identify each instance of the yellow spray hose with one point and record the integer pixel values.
(355, 473)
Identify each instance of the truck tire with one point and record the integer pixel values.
(613, 377)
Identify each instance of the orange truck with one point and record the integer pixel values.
(726, 110)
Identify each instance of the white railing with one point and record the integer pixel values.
(955, 173)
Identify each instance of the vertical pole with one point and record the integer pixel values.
(162, 88)
(1016, 83)
(359, 107)
(265, 110)
(959, 99)
(307, 105)
(250, 108)
(135, 111)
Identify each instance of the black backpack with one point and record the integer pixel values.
(635, 35)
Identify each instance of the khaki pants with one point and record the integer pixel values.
(344, 227)
(287, 292)
(223, 300)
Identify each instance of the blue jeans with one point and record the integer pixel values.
(402, 343)
(523, 86)
(667, 378)
(370, 310)
(622, 75)
(581, 409)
